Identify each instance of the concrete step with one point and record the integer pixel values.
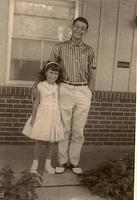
(66, 193)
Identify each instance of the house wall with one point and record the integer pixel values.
(111, 119)
(4, 14)
(113, 33)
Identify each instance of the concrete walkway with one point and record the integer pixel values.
(66, 186)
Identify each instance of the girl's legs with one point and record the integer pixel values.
(36, 153)
(49, 152)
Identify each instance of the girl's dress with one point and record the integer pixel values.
(47, 125)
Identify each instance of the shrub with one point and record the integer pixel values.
(112, 179)
(21, 189)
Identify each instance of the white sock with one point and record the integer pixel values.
(48, 167)
(34, 164)
(48, 162)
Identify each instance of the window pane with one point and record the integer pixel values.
(47, 49)
(25, 59)
(36, 27)
(56, 9)
(24, 70)
(26, 49)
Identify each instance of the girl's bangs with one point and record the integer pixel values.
(54, 67)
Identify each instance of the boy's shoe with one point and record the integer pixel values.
(61, 168)
(76, 169)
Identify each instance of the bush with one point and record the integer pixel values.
(112, 179)
(21, 189)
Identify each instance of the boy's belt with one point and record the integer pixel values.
(75, 84)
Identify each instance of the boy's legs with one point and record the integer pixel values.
(74, 105)
(66, 102)
(80, 114)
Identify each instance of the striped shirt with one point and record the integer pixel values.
(76, 60)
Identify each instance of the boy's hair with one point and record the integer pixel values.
(81, 19)
(53, 66)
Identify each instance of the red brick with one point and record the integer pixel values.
(11, 129)
(104, 130)
(130, 105)
(129, 114)
(6, 115)
(6, 105)
(5, 124)
(20, 106)
(20, 115)
(26, 101)
(12, 110)
(11, 119)
(117, 122)
(105, 113)
(118, 105)
(106, 104)
(105, 122)
(100, 108)
(2, 100)
(117, 113)
(106, 108)
(99, 126)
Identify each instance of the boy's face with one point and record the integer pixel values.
(79, 29)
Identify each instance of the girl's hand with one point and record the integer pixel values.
(32, 122)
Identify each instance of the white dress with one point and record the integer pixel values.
(47, 125)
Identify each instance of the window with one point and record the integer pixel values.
(35, 27)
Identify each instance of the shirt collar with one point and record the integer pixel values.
(81, 44)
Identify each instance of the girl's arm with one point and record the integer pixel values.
(34, 90)
(35, 106)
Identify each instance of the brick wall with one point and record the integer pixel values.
(111, 119)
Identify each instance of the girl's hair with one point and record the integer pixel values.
(53, 66)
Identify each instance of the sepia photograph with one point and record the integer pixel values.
(68, 99)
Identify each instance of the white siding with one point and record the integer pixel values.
(124, 44)
(112, 33)
(4, 8)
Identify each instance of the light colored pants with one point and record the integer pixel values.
(74, 104)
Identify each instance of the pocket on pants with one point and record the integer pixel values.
(89, 92)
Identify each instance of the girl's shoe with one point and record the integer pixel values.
(34, 171)
(49, 169)
(34, 167)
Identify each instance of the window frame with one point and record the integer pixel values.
(78, 11)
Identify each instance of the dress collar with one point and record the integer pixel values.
(47, 85)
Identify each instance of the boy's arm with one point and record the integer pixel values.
(35, 106)
(55, 54)
(91, 79)
(92, 67)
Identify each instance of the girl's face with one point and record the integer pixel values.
(52, 76)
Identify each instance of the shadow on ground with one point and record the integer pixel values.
(66, 186)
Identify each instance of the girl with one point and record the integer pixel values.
(45, 122)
